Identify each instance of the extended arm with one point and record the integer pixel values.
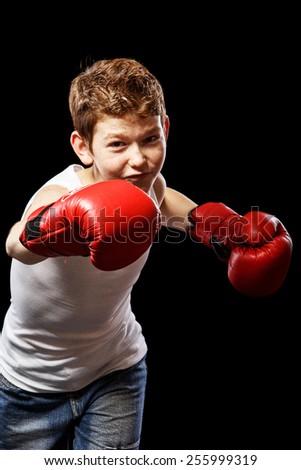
(256, 247)
(175, 209)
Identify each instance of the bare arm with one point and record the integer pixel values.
(174, 208)
(14, 247)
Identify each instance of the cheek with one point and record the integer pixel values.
(110, 167)
(159, 157)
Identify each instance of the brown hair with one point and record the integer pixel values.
(113, 87)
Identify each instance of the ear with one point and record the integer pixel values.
(81, 148)
(166, 127)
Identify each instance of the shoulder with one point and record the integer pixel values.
(46, 195)
(55, 187)
(160, 188)
(68, 178)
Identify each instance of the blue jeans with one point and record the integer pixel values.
(107, 414)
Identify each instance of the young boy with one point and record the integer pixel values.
(73, 356)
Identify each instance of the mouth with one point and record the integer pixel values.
(135, 178)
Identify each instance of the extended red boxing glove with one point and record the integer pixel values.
(257, 247)
(113, 222)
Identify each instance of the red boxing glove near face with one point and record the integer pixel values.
(113, 222)
(256, 246)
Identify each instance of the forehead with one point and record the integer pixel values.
(128, 124)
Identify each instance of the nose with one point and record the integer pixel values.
(136, 157)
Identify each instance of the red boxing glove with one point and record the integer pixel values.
(113, 222)
(256, 247)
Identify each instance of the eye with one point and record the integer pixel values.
(152, 138)
(117, 144)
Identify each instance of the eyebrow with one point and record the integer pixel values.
(122, 133)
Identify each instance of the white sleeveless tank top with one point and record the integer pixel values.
(68, 322)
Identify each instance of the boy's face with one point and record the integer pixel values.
(129, 148)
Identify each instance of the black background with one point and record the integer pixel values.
(224, 369)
